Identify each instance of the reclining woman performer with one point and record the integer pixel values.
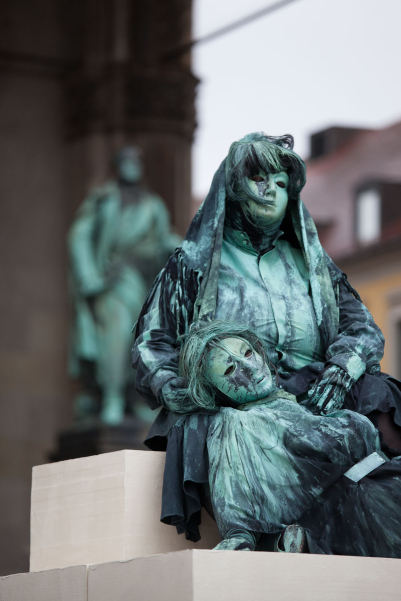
(252, 256)
(274, 465)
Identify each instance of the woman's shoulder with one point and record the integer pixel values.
(338, 277)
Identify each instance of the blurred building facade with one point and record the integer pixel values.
(353, 192)
(78, 80)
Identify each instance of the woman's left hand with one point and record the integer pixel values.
(329, 391)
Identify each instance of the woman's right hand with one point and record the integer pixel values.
(329, 391)
(174, 396)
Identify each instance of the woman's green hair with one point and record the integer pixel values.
(258, 152)
(201, 338)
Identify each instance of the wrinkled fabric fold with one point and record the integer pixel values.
(361, 518)
(184, 438)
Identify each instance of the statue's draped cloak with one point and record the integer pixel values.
(282, 459)
(186, 290)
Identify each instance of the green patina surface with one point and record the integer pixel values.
(252, 257)
(238, 371)
(268, 460)
(273, 194)
(271, 294)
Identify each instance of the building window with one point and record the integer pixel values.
(368, 215)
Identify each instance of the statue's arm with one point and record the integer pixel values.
(359, 347)
(156, 350)
(81, 248)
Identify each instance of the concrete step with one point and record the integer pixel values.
(203, 575)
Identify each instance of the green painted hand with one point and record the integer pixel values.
(329, 391)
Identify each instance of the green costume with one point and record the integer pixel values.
(271, 459)
(269, 463)
(319, 336)
(271, 294)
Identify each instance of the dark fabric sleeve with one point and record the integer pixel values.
(359, 345)
(155, 350)
(163, 319)
(185, 473)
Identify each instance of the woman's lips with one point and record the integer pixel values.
(266, 201)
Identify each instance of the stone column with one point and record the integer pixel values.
(125, 90)
(78, 79)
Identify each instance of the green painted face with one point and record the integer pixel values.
(238, 371)
(272, 189)
(130, 170)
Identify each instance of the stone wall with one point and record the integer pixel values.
(77, 80)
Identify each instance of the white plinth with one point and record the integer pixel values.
(238, 576)
(69, 584)
(101, 509)
(215, 576)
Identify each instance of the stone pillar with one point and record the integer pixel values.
(126, 91)
(78, 78)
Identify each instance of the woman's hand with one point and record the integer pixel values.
(329, 391)
(174, 396)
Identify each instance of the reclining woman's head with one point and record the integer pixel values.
(222, 359)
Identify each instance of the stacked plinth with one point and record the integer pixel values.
(103, 508)
(103, 512)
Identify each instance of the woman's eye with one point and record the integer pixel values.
(248, 353)
(257, 178)
(281, 184)
(229, 370)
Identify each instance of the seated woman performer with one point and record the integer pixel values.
(276, 467)
(252, 256)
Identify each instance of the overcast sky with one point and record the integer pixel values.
(312, 64)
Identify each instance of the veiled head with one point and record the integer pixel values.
(263, 174)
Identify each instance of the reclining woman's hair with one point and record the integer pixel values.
(202, 337)
(258, 152)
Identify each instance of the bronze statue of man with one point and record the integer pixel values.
(119, 240)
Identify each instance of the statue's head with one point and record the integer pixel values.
(129, 165)
(263, 174)
(222, 359)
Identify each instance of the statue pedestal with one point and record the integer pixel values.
(103, 508)
(214, 575)
(104, 511)
(94, 438)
